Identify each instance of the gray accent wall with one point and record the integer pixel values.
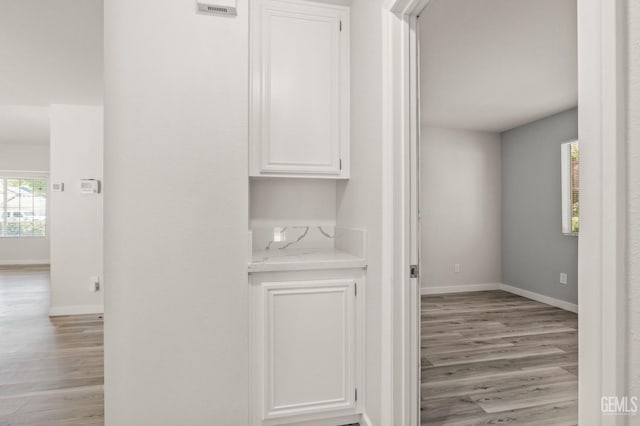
(534, 250)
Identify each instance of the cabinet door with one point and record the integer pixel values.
(300, 122)
(307, 347)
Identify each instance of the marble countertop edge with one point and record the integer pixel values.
(304, 259)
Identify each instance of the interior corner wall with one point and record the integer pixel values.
(534, 249)
(75, 219)
(359, 199)
(24, 158)
(460, 208)
(176, 214)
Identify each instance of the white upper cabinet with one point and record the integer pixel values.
(299, 89)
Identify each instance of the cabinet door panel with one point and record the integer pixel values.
(301, 95)
(309, 346)
(299, 122)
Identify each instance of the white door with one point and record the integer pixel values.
(300, 78)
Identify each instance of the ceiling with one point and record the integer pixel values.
(492, 65)
(50, 53)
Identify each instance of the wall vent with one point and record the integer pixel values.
(213, 9)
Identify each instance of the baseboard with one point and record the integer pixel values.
(459, 288)
(571, 307)
(57, 311)
(366, 421)
(24, 262)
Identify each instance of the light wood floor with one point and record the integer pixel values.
(51, 370)
(496, 358)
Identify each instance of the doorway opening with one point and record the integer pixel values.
(499, 281)
(51, 140)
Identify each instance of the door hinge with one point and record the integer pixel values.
(355, 288)
(356, 394)
(414, 271)
(340, 25)
(340, 165)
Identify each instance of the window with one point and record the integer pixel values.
(23, 207)
(570, 157)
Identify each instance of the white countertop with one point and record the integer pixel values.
(304, 259)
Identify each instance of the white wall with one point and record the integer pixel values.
(24, 157)
(24, 125)
(75, 219)
(176, 292)
(460, 207)
(633, 164)
(277, 202)
(359, 200)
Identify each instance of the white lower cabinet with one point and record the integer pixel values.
(306, 347)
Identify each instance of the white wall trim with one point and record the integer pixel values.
(366, 421)
(465, 288)
(24, 262)
(388, 224)
(57, 311)
(567, 306)
(23, 174)
(406, 7)
(400, 395)
(602, 244)
(462, 288)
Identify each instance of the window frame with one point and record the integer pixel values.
(7, 175)
(567, 188)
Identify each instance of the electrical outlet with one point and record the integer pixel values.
(94, 284)
(456, 268)
(279, 235)
(563, 278)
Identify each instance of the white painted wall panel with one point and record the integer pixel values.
(283, 201)
(176, 215)
(76, 220)
(25, 157)
(359, 199)
(460, 207)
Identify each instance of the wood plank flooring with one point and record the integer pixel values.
(496, 358)
(51, 370)
(487, 358)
